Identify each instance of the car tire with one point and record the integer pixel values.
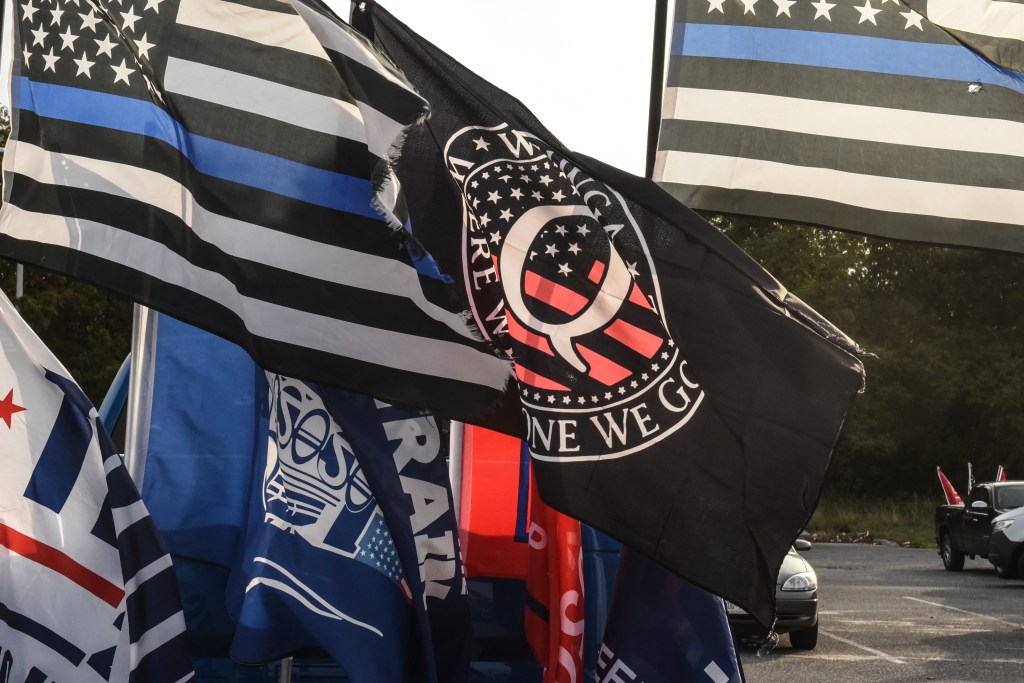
(804, 639)
(1020, 564)
(1007, 572)
(952, 560)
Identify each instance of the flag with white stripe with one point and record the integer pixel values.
(89, 593)
(229, 163)
(897, 119)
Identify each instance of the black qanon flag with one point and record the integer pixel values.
(674, 394)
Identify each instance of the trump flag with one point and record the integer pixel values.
(88, 591)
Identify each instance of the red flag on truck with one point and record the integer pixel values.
(952, 497)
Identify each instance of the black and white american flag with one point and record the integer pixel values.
(228, 163)
(896, 118)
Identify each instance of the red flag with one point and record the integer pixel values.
(499, 503)
(554, 587)
(493, 503)
(1000, 474)
(952, 497)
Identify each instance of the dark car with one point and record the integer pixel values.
(796, 594)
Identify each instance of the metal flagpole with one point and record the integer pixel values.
(455, 438)
(286, 671)
(19, 269)
(657, 82)
(140, 388)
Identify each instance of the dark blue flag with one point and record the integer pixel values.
(319, 564)
(197, 437)
(663, 628)
(407, 472)
(290, 520)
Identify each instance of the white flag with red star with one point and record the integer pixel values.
(88, 591)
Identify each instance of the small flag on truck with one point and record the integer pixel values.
(952, 497)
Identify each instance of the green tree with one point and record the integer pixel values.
(87, 329)
(5, 125)
(945, 378)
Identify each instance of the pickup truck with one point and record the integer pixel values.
(965, 530)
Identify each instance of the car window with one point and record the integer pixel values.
(979, 493)
(1008, 497)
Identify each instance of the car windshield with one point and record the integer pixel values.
(1008, 497)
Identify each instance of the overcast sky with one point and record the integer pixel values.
(582, 66)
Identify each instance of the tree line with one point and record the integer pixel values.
(944, 328)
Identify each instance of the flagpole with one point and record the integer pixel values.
(286, 671)
(456, 433)
(140, 380)
(657, 82)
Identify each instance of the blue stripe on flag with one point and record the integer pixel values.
(841, 51)
(119, 493)
(151, 603)
(146, 545)
(212, 157)
(522, 532)
(62, 458)
(164, 664)
(104, 529)
(33, 629)
(36, 676)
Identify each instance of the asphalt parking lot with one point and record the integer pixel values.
(894, 614)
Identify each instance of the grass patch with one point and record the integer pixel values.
(905, 521)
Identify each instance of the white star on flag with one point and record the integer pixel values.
(51, 61)
(867, 13)
(29, 10)
(68, 39)
(716, 5)
(784, 6)
(39, 36)
(913, 19)
(122, 72)
(84, 66)
(822, 9)
(106, 46)
(748, 6)
(129, 18)
(89, 20)
(144, 46)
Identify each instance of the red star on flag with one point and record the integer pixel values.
(8, 408)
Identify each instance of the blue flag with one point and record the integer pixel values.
(199, 436)
(298, 501)
(663, 628)
(319, 565)
(409, 476)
